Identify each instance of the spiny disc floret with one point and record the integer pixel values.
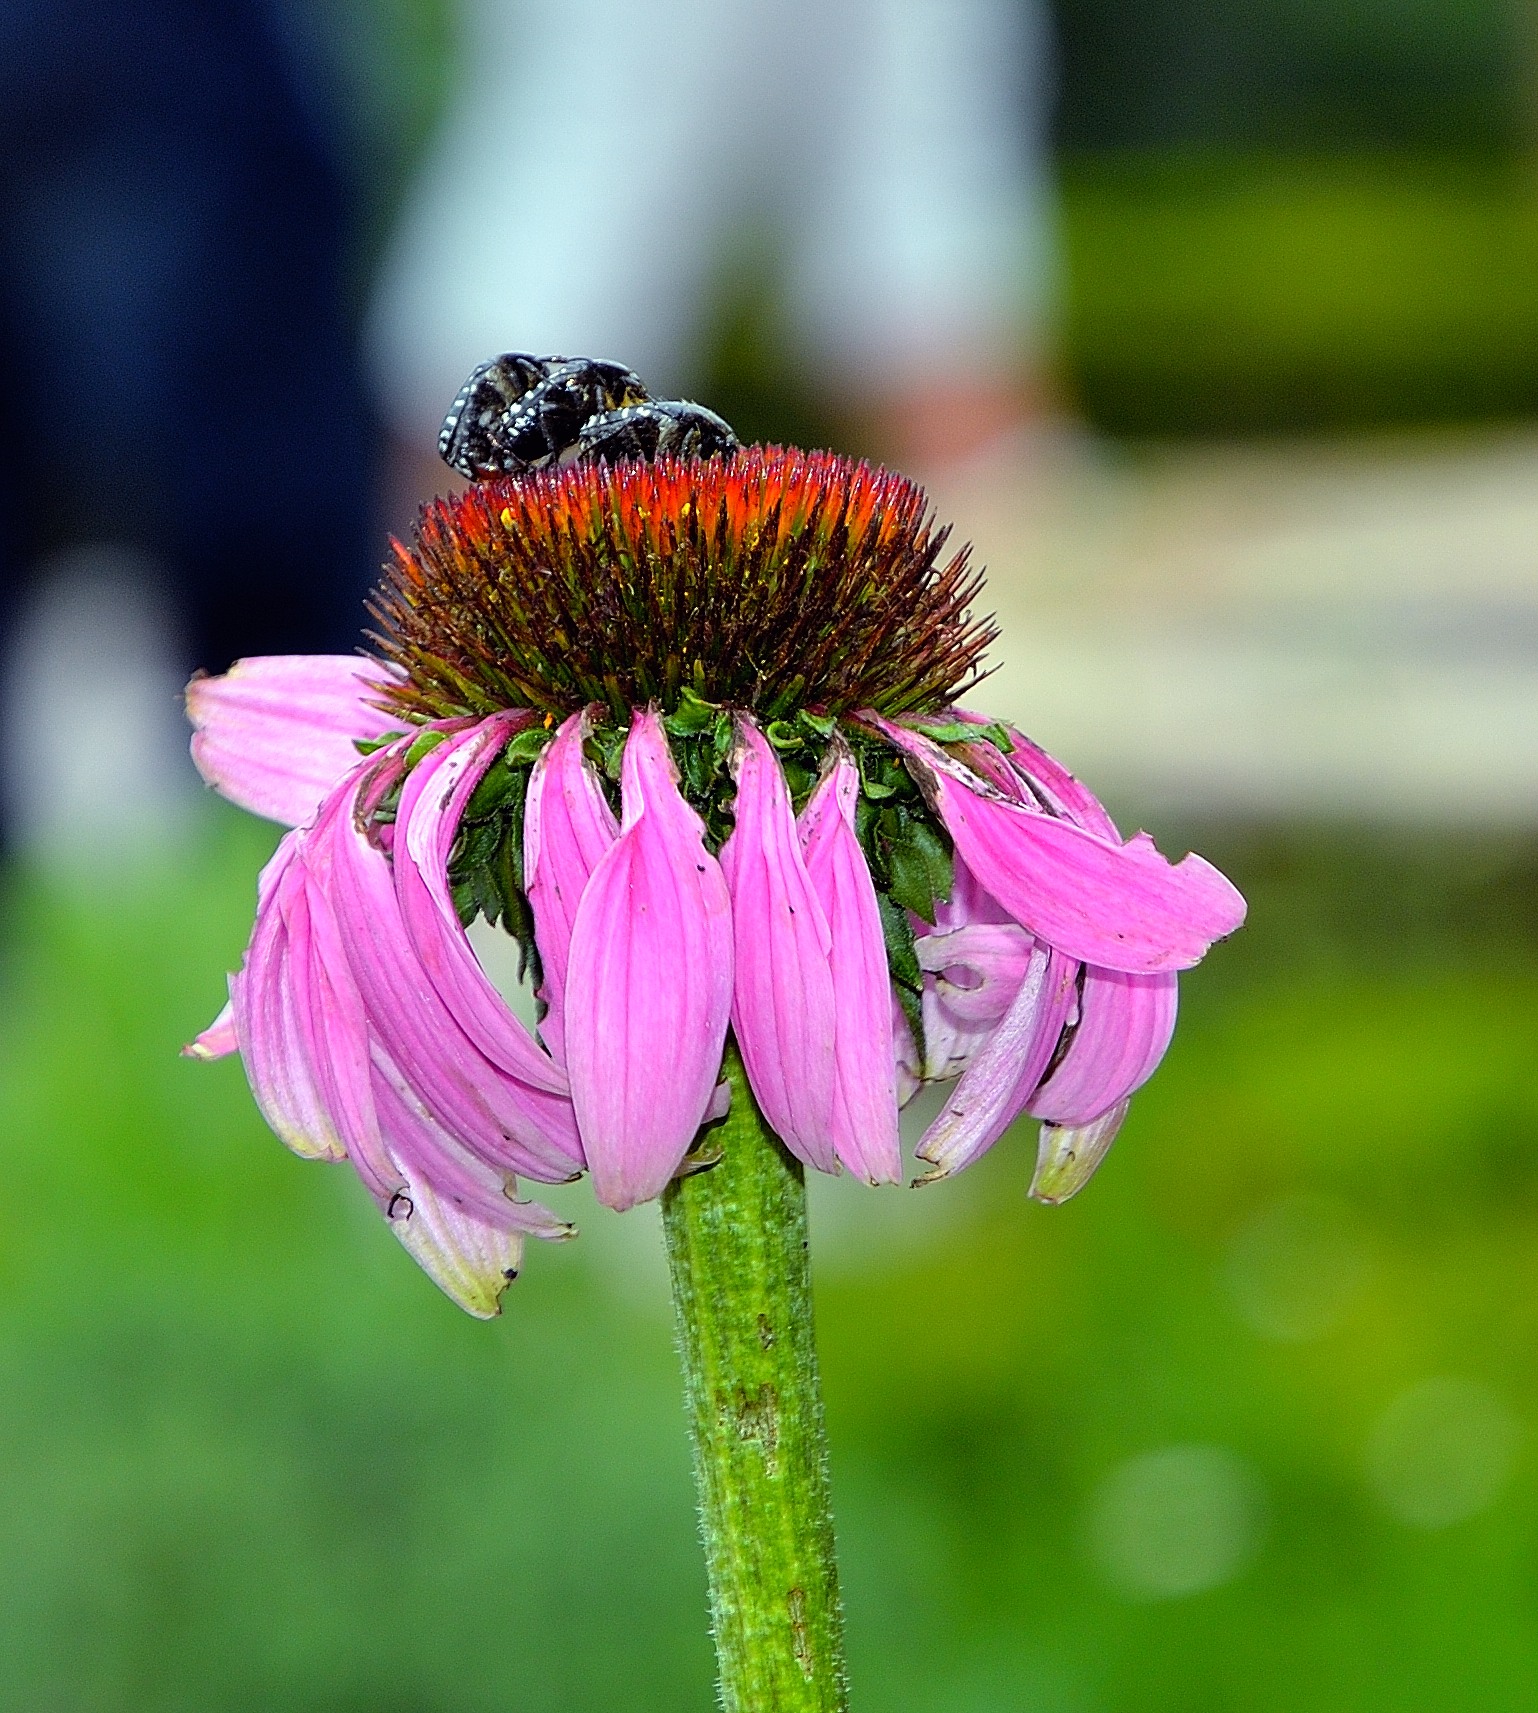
(772, 580)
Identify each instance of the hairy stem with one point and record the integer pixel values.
(742, 1291)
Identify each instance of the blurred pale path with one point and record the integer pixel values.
(1347, 628)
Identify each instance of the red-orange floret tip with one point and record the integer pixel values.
(771, 580)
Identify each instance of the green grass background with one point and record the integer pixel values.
(1219, 293)
(250, 1458)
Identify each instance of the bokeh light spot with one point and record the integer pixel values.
(1175, 1521)
(1295, 1269)
(1441, 1452)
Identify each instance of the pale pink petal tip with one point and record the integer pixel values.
(470, 1260)
(782, 1007)
(277, 732)
(218, 1040)
(649, 985)
(1068, 1156)
(720, 1102)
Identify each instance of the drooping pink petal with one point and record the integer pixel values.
(333, 1023)
(1124, 1027)
(434, 1159)
(1125, 1021)
(327, 987)
(1067, 1156)
(1119, 906)
(274, 1041)
(431, 803)
(865, 1134)
(276, 732)
(470, 1260)
(567, 827)
(782, 1003)
(649, 985)
(506, 1123)
(995, 1087)
(217, 1041)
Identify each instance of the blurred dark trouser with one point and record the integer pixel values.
(177, 365)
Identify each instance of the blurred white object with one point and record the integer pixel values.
(599, 153)
(97, 764)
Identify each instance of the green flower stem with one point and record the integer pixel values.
(742, 1290)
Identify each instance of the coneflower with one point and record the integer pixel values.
(690, 731)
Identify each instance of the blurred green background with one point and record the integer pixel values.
(1244, 1427)
(1247, 1426)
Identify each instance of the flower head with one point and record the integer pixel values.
(768, 582)
(689, 731)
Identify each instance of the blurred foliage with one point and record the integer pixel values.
(1219, 294)
(1293, 74)
(252, 1459)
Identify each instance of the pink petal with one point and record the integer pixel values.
(782, 1007)
(314, 1033)
(334, 1027)
(275, 733)
(1119, 906)
(978, 968)
(649, 986)
(1125, 1023)
(1068, 1156)
(274, 1039)
(1049, 778)
(458, 1221)
(1003, 1074)
(506, 1123)
(470, 1260)
(218, 1040)
(567, 827)
(973, 973)
(986, 953)
(433, 1159)
(431, 803)
(865, 1133)
(968, 903)
(951, 1041)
